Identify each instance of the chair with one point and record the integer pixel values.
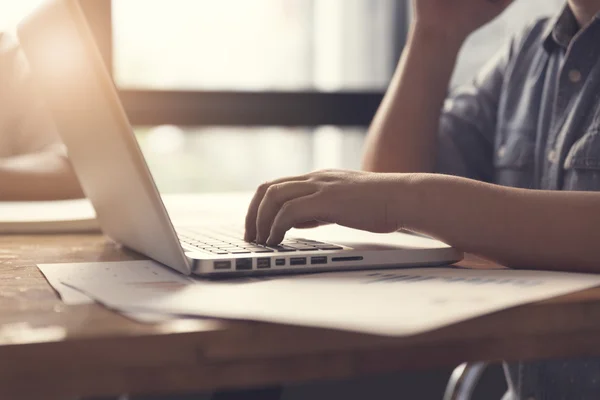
(463, 381)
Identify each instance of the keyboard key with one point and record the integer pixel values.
(229, 240)
(259, 250)
(283, 249)
(329, 247)
(301, 247)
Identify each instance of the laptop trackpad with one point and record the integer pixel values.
(361, 240)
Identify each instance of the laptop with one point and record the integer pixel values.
(68, 68)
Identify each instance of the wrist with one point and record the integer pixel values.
(426, 198)
(407, 200)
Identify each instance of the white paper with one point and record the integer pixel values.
(181, 206)
(79, 215)
(54, 273)
(68, 295)
(58, 210)
(47, 216)
(73, 297)
(400, 302)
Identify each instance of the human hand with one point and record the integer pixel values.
(456, 17)
(360, 200)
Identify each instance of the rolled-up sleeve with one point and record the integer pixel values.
(468, 122)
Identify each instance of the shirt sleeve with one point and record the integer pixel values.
(468, 123)
(25, 123)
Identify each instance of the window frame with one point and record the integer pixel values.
(243, 108)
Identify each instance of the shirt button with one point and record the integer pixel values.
(502, 151)
(552, 156)
(575, 76)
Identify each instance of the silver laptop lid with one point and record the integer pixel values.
(82, 98)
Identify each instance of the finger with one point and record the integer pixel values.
(309, 224)
(250, 223)
(275, 197)
(295, 212)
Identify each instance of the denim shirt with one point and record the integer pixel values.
(531, 119)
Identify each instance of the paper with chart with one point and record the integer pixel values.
(54, 273)
(398, 302)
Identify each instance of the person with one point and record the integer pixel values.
(506, 167)
(33, 160)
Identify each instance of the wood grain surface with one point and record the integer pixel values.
(52, 351)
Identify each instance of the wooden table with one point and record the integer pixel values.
(49, 350)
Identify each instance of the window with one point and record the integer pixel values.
(288, 56)
(11, 12)
(220, 159)
(253, 44)
(226, 94)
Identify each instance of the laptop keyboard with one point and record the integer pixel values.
(228, 241)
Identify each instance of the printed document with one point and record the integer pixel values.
(390, 302)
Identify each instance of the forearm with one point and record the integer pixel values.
(403, 135)
(514, 227)
(38, 176)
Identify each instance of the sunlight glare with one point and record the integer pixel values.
(12, 12)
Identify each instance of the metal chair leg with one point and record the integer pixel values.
(463, 381)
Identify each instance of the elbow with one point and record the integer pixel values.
(374, 167)
(372, 163)
(369, 161)
(369, 166)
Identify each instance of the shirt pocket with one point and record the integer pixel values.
(514, 160)
(582, 164)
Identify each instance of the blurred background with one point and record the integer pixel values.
(226, 94)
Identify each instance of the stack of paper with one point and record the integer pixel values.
(399, 302)
(47, 216)
(57, 273)
(71, 216)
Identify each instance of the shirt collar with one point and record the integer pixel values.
(560, 30)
